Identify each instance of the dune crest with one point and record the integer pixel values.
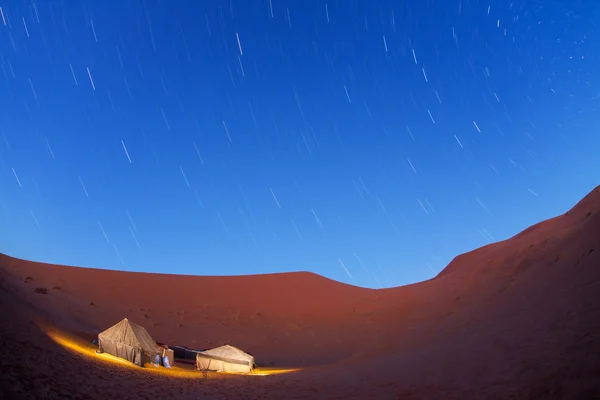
(514, 318)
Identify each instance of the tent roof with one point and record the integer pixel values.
(228, 352)
(131, 334)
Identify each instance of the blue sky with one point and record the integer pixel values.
(369, 142)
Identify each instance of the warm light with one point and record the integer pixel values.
(83, 348)
(267, 371)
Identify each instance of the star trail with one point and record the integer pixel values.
(366, 141)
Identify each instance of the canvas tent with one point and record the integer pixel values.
(129, 341)
(224, 359)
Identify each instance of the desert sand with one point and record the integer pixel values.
(517, 319)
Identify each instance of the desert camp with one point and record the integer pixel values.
(300, 200)
(457, 336)
(132, 342)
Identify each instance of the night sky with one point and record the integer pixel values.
(367, 141)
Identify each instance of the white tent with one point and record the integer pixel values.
(225, 359)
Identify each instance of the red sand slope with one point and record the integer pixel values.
(515, 319)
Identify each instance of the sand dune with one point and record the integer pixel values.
(514, 319)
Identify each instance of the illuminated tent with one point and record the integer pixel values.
(129, 341)
(224, 359)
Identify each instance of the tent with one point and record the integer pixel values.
(129, 341)
(224, 359)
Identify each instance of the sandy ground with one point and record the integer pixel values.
(518, 319)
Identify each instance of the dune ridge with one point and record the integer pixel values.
(518, 318)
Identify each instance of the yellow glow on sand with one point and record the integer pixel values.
(80, 347)
(83, 348)
(273, 371)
